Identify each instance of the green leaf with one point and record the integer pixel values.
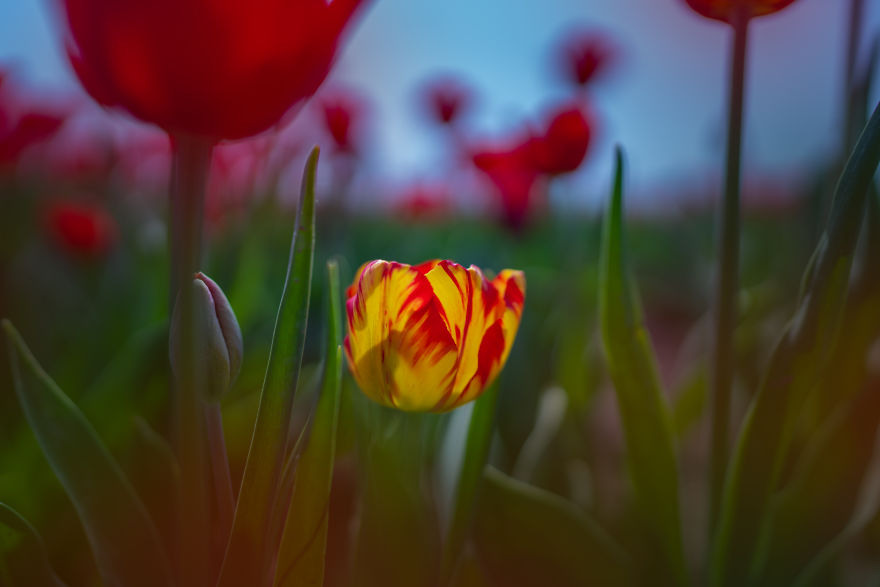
(23, 557)
(476, 453)
(529, 537)
(124, 540)
(819, 502)
(248, 561)
(304, 541)
(646, 421)
(796, 362)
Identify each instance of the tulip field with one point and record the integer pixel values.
(228, 359)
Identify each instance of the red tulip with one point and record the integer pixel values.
(342, 117)
(515, 179)
(219, 69)
(446, 99)
(563, 146)
(724, 10)
(585, 55)
(80, 228)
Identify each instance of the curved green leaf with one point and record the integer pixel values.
(23, 557)
(248, 561)
(650, 442)
(304, 541)
(529, 537)
(124, 540)
(797, 360)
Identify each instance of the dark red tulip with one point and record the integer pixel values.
(80, 228)
(724, 10)
(216, 69)
(27, 130)
(562, 147)
(446, 99)
(424, 202)
(585, 55)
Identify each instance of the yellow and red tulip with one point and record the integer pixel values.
(430, 337)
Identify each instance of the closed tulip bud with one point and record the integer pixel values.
(430, 337)
(218, 356)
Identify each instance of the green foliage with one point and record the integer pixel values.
(304, 541)
(124, 540)
(646, 421)
(531, 538)
(250, 551)
(796, 361)
(23, 557)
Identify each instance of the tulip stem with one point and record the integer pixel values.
(727, 286)
(222, 478)
(189, 173)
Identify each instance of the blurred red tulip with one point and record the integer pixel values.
(342, 117)
(219, 69)
(446, 98)
(585, 55)
(563, 146)
(725, 10)
(81, 228)
(424, 202)
(515, 179)
(27, 130)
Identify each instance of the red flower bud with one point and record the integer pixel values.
(583, 56)
(215, 69)
(446, 99)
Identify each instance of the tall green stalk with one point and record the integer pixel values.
(189, 175)
(728, 275)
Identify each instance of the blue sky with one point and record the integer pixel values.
(665, 104)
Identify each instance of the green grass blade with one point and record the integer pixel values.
(246, 561)
(529, 537)
(304, 541)
(23, 557)
(124, 540)
(646, 421)
(797, 361)
(476, 453)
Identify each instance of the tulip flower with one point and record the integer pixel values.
(563, 146)
(583, 56)
(343, 115)
(724, 10)
(430, 337)
(517, 182)
(80, 228)
(217, 70)
(446, 98)
(221, 350)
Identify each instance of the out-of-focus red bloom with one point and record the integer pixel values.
(724, 10)
(515, 179)
(29, 129)
(342, 113)
(562, 147)
(218, 69)
(424, 202)
(584, 55)
(81, 228)
(446, 99)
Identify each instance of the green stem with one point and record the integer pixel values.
(189, 174)
(728, 277)
(852, 125)
(220, 474)
(476, 454)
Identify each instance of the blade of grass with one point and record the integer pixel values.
(124, 540)
(529, 537)
(23, 557)
(646, 421)
(304, 541)
(247, 561)
(796, 361)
